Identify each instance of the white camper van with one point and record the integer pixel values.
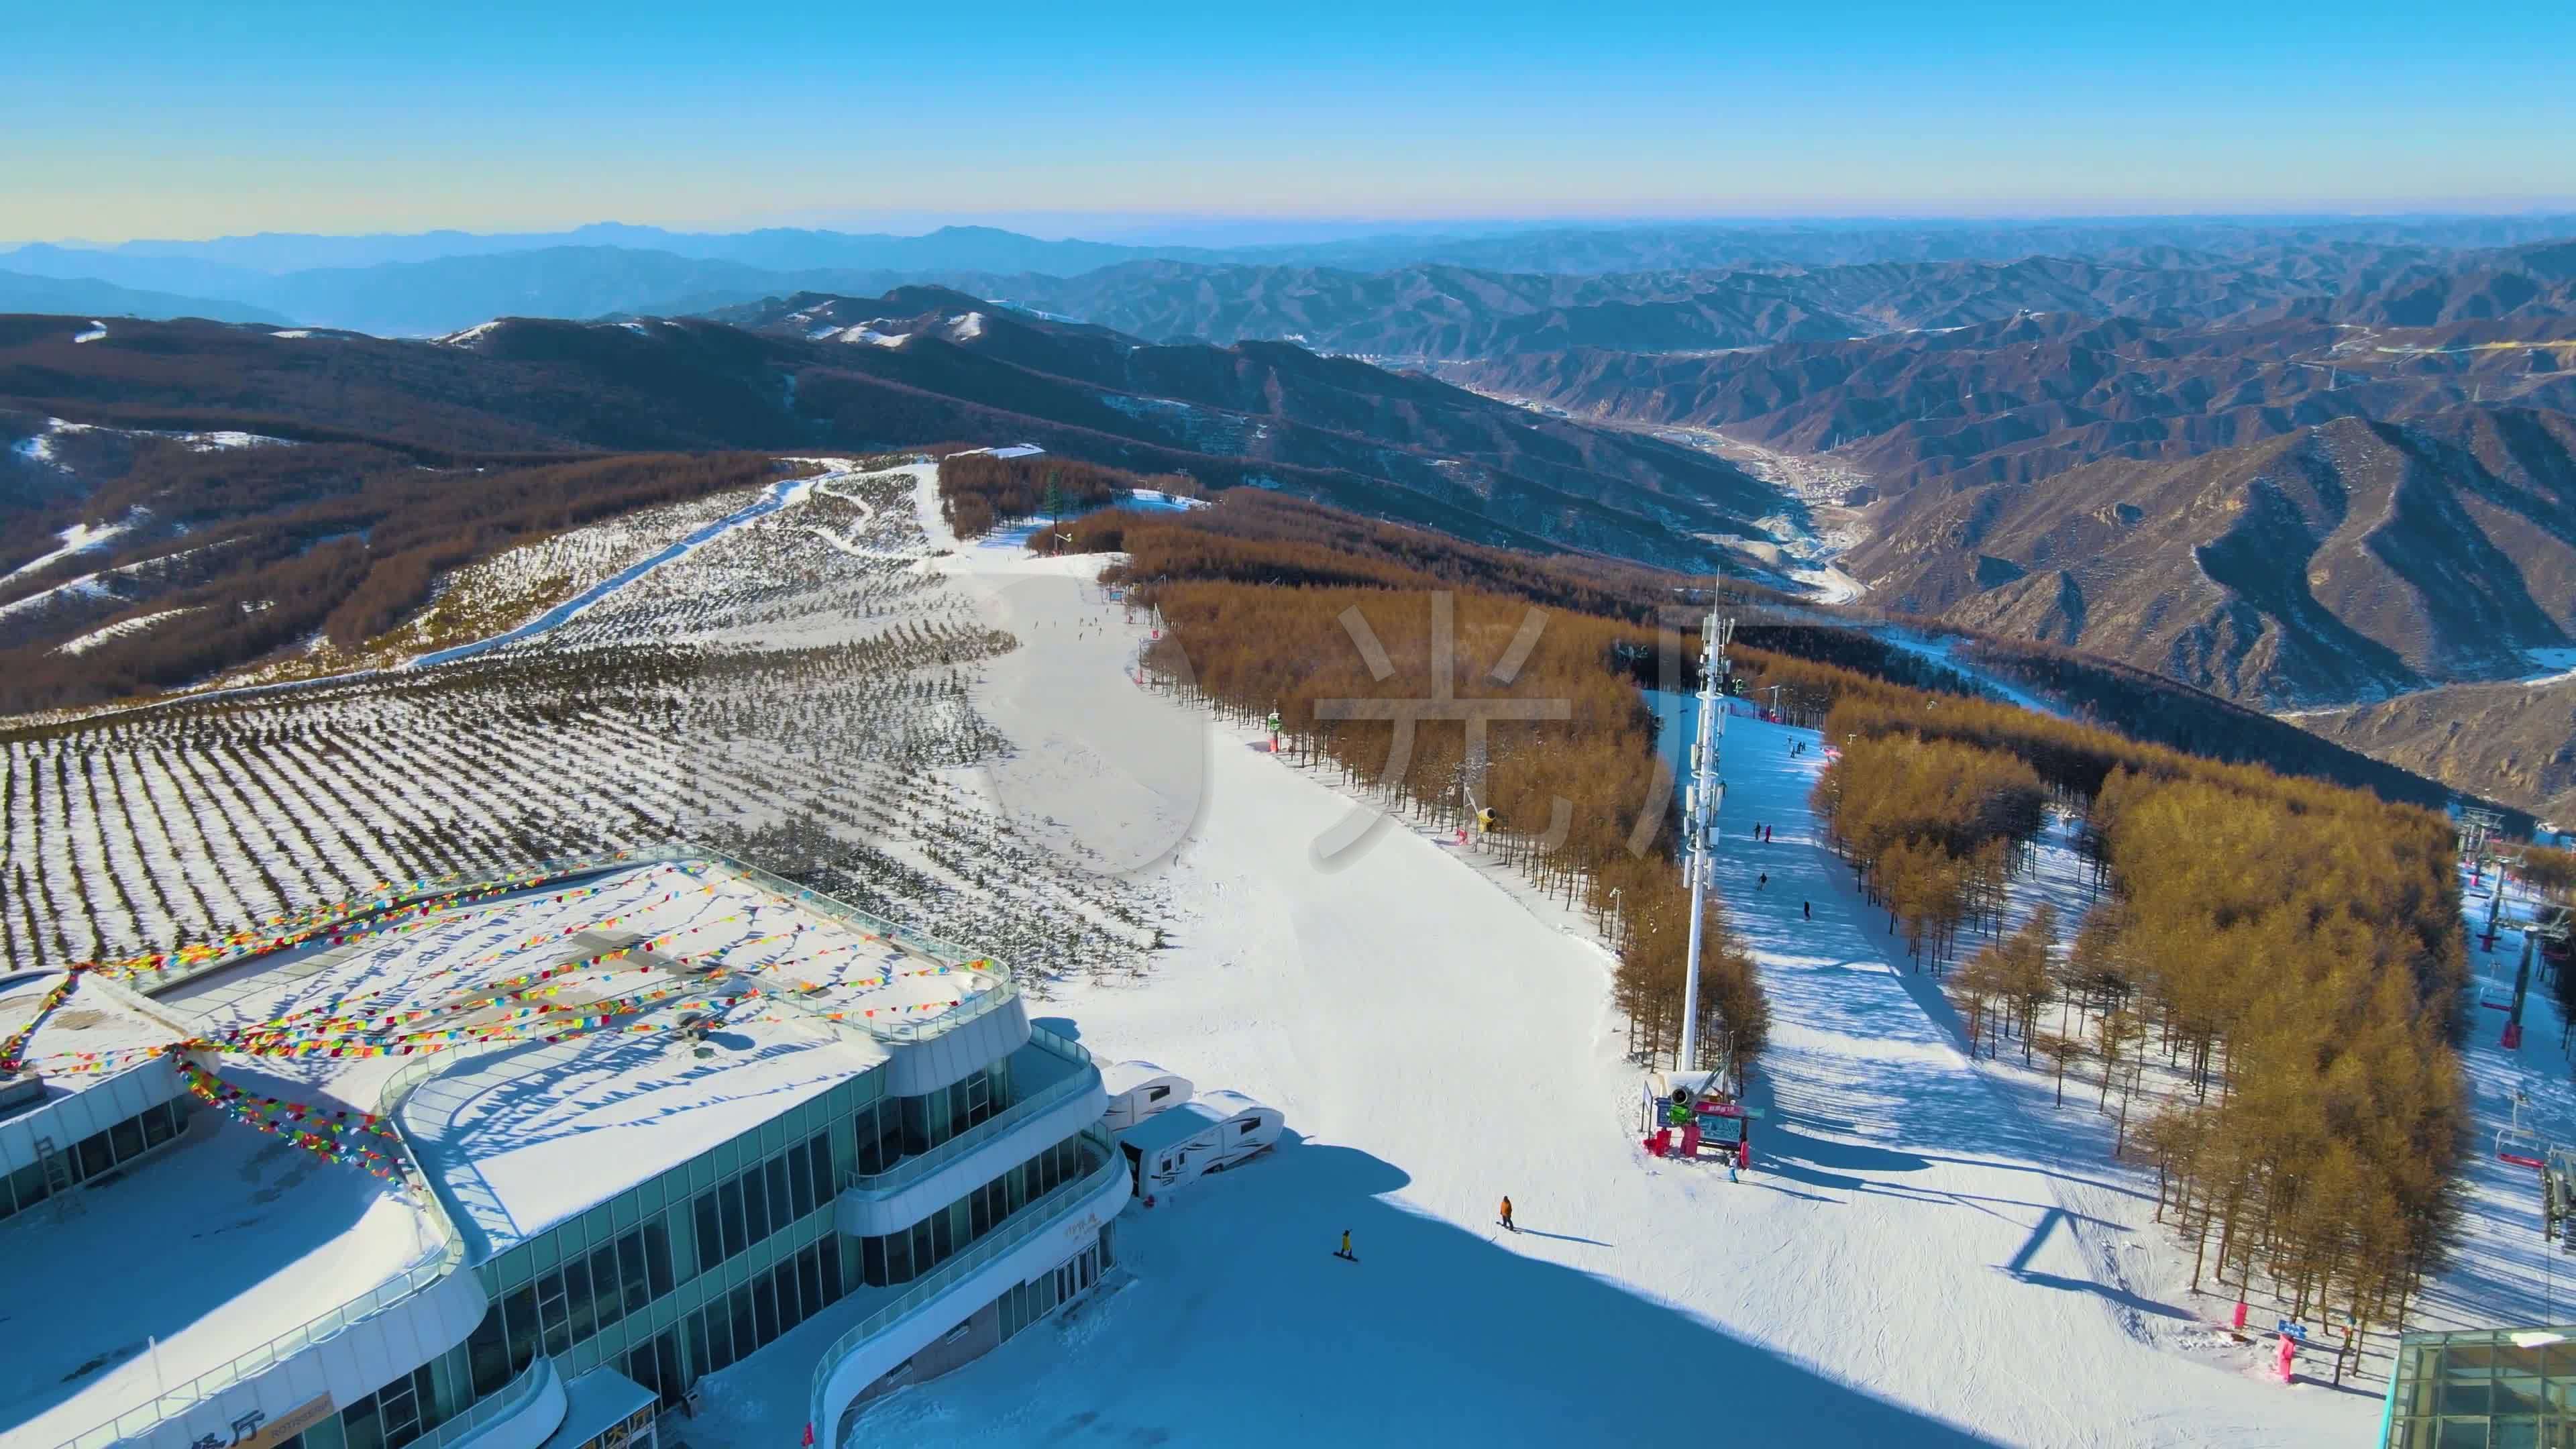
(1208, 1134)
(1138, 1090)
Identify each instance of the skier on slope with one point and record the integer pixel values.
(1507, 1213)
(1765, 880)
(1809, 907)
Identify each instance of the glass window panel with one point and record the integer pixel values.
(519, 1315)
(819, 1166)
(657, 1258)
(746, 1327)
(698, 1359)
(487, 1353)
(644, 1369)
(730, 1197)
(943, 1235)
(792, 1205)
(898, 1252)
(608, 1303)
(809, 1267)
(2463, 1434)
(791, 1303)
(582, 1308)
(719, 1337)
(160, 1124)
(755, 1204)
(631, 1279)
(361, 1426)
(833, 1284)
(96, 1157)
(710, 1233)
(666, 1354)
(872, 1258)
(554, 1313)
(764, 1303)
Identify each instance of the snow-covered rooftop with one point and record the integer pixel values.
(1174, 1125)
(84, 1042)
(687, 997)
(560, 1040)
(523, 1139)
(249, 1238)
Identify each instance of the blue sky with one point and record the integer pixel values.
(192, 119)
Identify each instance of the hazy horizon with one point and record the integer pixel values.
(1217, 231)
(187, 122)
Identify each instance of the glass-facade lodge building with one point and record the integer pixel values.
(635, 1120)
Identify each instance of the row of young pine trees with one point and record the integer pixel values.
(2266, 980)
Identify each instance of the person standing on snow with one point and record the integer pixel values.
(1763, 881)
(1809, 907)
(1507, 1213)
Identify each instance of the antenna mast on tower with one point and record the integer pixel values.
(1699, 810)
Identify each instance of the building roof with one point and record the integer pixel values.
(87, 1039)
(561, 1041)
(1117, 1077)
(182, 1263)
(1173, 1125)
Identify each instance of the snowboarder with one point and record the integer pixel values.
(1346, 1247)
(1507, 1213)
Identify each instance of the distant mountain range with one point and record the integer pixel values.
(912, 367)
(2352, 560)
(2304, 463)
(22, 293)
(1646, 289)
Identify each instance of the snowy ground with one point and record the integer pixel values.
(2506, 1273)
(1913, 1262)
(1926, 1253)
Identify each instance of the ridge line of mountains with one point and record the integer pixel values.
(2325, 469)
(1648, 289)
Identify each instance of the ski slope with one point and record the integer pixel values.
(1904, 1267)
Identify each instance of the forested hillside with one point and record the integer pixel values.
(2289, 948)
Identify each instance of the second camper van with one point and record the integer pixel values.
(1207, 1134)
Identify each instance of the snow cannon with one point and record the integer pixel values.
(1697, 1115)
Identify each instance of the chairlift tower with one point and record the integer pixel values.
(1699, 813)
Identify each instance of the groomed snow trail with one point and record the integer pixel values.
(1893, 1272)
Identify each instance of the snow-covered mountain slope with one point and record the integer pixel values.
(1915, 1259)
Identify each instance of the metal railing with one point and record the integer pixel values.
(512, 1397)
(912, 1169)
(1025, 1224)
